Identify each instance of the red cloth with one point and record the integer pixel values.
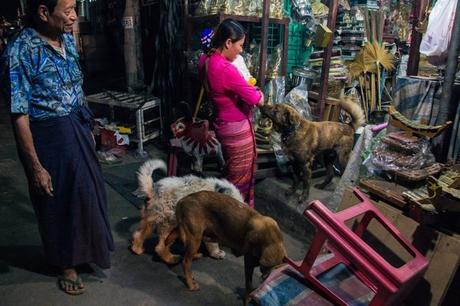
(239, 150)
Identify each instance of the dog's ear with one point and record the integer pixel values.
(272, 250)
(272, 254)
(288, 118)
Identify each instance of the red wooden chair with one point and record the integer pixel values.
(347, 247)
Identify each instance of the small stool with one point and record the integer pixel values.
(347, 248)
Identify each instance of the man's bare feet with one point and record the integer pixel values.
(70, 282)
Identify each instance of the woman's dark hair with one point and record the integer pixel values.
(32, 7)
(228, 28)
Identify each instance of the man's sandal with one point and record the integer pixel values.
(70, 286)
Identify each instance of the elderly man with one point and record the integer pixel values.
(42, 81)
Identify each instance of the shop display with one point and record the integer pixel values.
(254, 8)
(276, 9)
(253, 55)
(226, 6)
(401, 21)
(274, 64)
(237, 7)
(202, 8)
(302, 12)
(214, 7)
(349, 34)
(320, 10)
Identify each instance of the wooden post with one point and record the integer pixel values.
(331, 19)
(187, 25)
(22, 7)
(285, 49)
(416, 38)
(448, 107)
(263, 43)
(133, 46)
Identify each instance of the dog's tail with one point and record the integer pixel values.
(352, 107)
(144, 175)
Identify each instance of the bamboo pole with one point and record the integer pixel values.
(331, 20)
(366, 24)
(379, 96)
(416, 38)
(372, 92)
(363, 97)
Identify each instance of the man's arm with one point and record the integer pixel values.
(37, 175)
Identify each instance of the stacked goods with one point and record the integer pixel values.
(349, 34)
(407, 158)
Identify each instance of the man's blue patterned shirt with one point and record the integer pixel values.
(37, 80)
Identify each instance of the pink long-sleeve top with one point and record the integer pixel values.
(233, 97)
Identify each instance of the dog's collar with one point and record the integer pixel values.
(286, 133)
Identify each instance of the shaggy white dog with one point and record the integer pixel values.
(160, 204)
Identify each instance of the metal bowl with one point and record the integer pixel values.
(303, 75)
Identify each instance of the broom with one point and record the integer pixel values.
(377, 57)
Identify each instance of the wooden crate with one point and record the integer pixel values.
(332, 107)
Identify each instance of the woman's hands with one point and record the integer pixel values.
(261, 101)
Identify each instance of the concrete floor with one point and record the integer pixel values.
(132, 280)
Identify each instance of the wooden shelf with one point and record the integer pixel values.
(221, 16)
(190, 22)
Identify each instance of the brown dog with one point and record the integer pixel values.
(303, 139)
(233, 224)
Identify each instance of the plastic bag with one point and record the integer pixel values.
(436, 40)
(274, 90)
(298, 98)
(240, 64)
(410, 157)
(282, 160)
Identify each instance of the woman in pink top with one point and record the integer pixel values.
(233, 100)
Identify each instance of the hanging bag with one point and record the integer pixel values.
(435, 42)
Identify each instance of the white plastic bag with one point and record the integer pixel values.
(435, 41)
(240, 64)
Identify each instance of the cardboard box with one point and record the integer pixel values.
(323, 36)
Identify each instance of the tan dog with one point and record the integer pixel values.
(233, 224)
(302, 139)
